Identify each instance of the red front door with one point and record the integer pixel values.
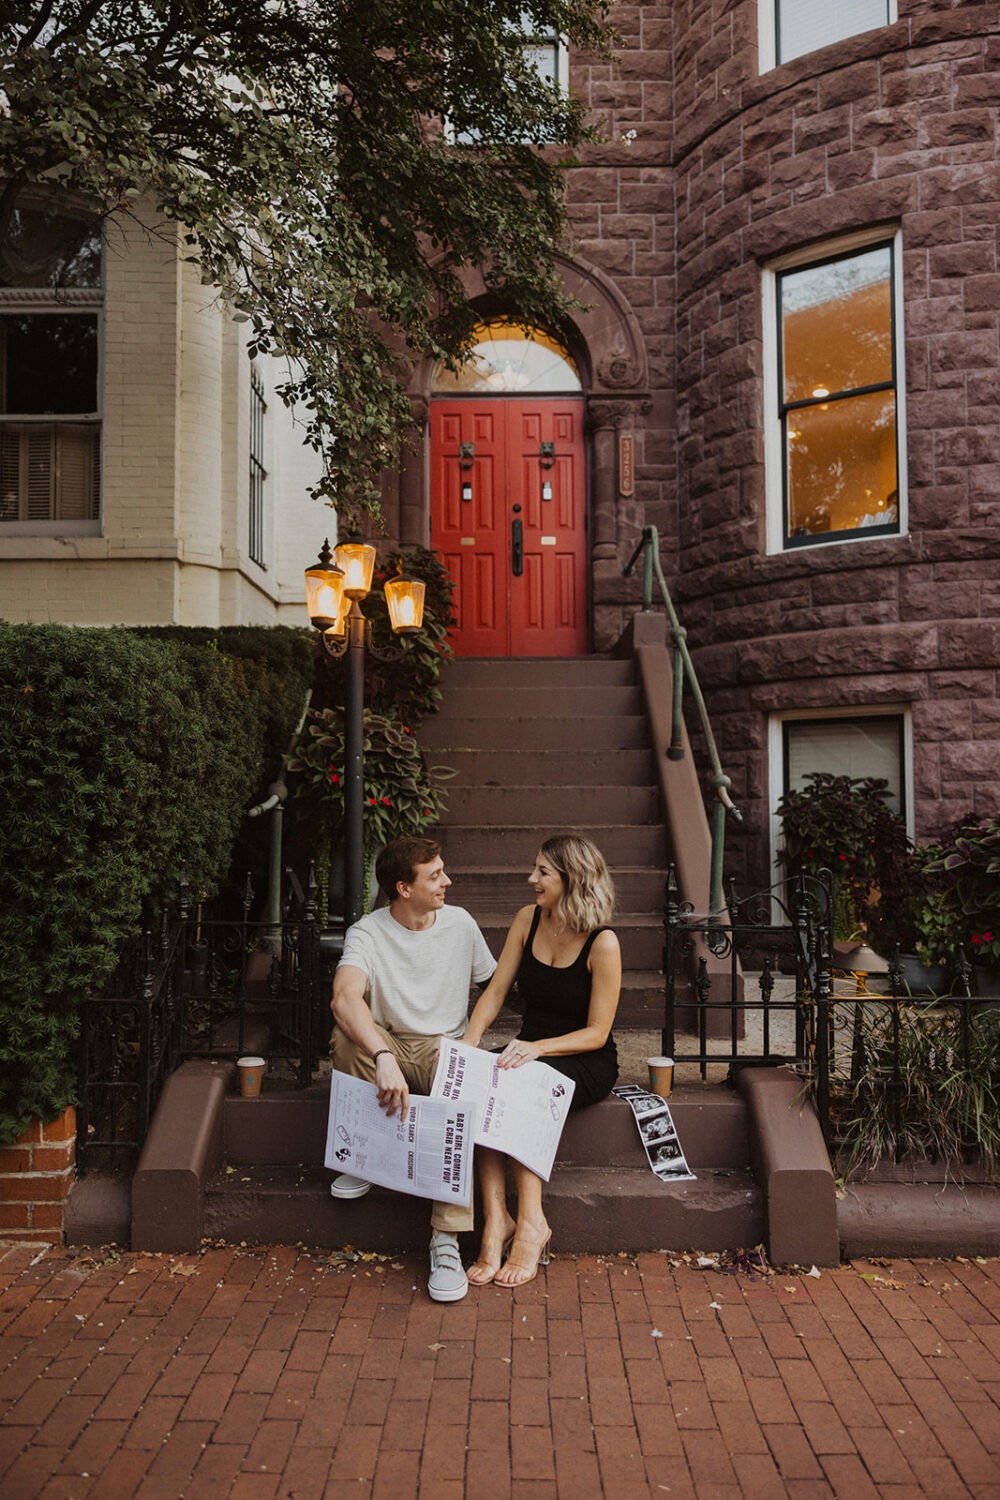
(508, 516)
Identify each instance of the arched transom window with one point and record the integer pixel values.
(510, 361)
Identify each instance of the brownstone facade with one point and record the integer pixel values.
(711, 170)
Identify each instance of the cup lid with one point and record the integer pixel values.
(250, 1062)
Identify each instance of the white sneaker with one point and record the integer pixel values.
(346, 1186)
(447, 1281)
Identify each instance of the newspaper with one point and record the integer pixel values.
(429, 1155)
(519, 1111)
(522, 1110)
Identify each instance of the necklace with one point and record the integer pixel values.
(557, 935)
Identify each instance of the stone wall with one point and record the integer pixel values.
(729, 169)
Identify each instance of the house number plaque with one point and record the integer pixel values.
(626, 464)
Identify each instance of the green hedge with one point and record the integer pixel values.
(123, 755)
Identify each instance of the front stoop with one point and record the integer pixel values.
(220, 1167)
(602, 1197)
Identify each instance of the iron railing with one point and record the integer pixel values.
(201, 988)
(778, 975)
(915, 1073)
(684, 673)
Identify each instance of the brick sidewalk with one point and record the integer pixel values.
(279, 1373)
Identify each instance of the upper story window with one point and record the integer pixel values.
(50, 315)
(834, 406)
(791, 28)
(546, 54)
(258, 470)
(510, 361)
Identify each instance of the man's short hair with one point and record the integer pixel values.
(398, 862)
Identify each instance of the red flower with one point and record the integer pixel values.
(386, 802)
(334, 777)
(976, 940)
(427, 812)
(842, 856)
(373, 801)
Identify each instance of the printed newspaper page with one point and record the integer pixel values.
(523, 1110)
(430, 1155)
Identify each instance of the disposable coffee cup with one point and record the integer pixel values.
(661, 1075)
(251, 1071)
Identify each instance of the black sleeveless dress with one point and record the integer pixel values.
(557, 1001)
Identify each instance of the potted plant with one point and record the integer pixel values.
(842, 823)
(971, 858)
(930, 1089)
(915, 917)
(402, 795)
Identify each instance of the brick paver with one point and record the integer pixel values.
(277, 1372)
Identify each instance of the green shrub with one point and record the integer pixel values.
(122, 757)
(402, 796)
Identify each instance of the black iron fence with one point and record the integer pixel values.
(200, 987)
(892, 1073)
(754, 998)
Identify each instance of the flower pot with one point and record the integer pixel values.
(920, 978)
(987, 982)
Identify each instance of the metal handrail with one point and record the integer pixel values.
(684, 670)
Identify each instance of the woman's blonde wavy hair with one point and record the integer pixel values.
(588, 898)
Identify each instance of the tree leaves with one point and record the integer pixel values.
(302, 151)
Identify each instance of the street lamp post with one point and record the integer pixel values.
(344, 631)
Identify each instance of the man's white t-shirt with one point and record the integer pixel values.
(419, 981)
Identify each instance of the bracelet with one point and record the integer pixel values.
(385, 1052)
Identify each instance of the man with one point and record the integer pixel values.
(403, 982)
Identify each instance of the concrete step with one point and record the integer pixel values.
(602, 1197)
(287, 1127)
(540, 700)
(591, 1211)
(553, 805)
(520, 731)
(501, 890)
(640, 1005)
(641, 938)
(516, 847)
(511, 768)
(516, 672)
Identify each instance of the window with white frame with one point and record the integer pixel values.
(546, 53)
(834, 404)
(851, 742)
(791, 28)
(50, 323)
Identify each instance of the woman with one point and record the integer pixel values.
(568, 969)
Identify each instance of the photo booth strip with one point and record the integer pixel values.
(657, 1133)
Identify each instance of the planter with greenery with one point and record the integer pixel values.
(843, 824)
(402, 795)
(971, 862)
(929, 1090)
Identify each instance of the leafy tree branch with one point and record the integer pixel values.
(301, 149)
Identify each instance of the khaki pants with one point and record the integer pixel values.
(417, 1057)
